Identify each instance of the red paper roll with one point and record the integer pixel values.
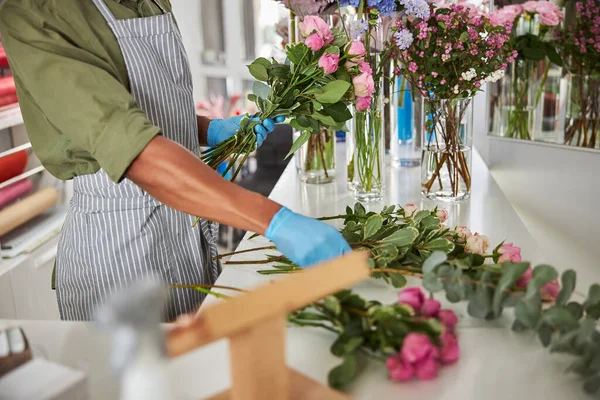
(3, 58)
(7, 86)
(8, 100)
(14, 191)
(12, 165)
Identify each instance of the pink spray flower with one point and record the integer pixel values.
(477, 244)
(316, 25)
(430, 308)
(442, 215)
(524, 280)
(509, 253)
(363, 103)
(329, 62)
(410, 209)
(448, 319)
(314, 42)
(551, 289)
(412, 296)
(449, 351)
(365, 68)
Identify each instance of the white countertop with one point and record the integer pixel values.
(495, 363)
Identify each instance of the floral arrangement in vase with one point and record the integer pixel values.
(533, 26)
(579, 47)
(448, 56)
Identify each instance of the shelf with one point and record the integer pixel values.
(10, 117)
(24, 175)
(25, 146)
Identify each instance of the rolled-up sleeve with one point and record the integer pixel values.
(75, 91)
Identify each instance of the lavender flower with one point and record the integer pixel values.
(417, 8)
(385, 7)
(346, 3)
(403, 39)
(357, 29)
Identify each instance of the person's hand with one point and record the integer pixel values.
(305, 241)
(220, 130)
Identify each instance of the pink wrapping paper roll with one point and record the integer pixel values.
(14, 191)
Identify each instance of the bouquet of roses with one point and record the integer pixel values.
(309, 88)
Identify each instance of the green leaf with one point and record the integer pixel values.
(441, 24)
(332, 304)
(440, 244)
(315, 90)
(303, 138)
(343, 374)
(258, 71)
(575, 309)
(559, 317)
(545, 334)
(402, 237)
(592, 384)
(528, 311)
(373, 224)
(398, 280)
(261, 90)
(345, 345)
(296, 52)
(332, 50)
(568, 280)
(512, 273)
(532, 53)
(592, 303)
(359, 209)
(436, 258)
(432, 283)
(338, 111)
(480, 305)
(430, 220)
(464, 37)
(333, 92)
(280, 71)
(543, 274)
(317, 106)
(421, 214)
(262, 61)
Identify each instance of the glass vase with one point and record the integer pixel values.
(547, 127)
(407, 136)
(315, 160)
(447, 144)
(582, 117)
(365, 166)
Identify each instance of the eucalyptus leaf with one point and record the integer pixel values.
(436, 258)
(569, 279)
(512, 273)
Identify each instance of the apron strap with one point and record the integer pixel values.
(105, 11)
(163, 9)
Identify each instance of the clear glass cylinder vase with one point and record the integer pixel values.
(406, 138)
(315, 160)
(582, 116)
(446, 149)
(367, 153)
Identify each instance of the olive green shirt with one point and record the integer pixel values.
(72, 84)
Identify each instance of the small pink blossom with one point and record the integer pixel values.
(448, 319)
(430, 308)
(551, 289)
(463, 232)
(450, 351)
(364, 86)
(412, 67)
(524, 280)
(443, 81)
(410, 209)
(442, 215)
(434, 74)
(356, 49)
(329, 63)
(412, 296)
(509, 253)
(314, 42)
(363, 103)
(477, 244)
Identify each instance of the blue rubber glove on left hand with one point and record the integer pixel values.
(220, 130)
(305, 241)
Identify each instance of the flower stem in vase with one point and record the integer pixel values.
(315, 160)
(583, 111)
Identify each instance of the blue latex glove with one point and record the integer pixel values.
(220, 130)
(305, 241)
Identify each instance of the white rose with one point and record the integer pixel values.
(463, 232)
(410, 210)
(442, 215)
(477, 244)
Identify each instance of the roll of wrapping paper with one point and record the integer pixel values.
(3, 58)
(15, 191)
(7, 86)
(8, 99)
(25, 210)
(12, 165)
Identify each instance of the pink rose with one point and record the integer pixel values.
(477, 244)
(329, 62)
(509, 253)
(314, 42)
(531, 6)
(442, 215)
(365, 68)
(410, 209)
(416, 348)
(463, 232)
(427, 369)
(356, 49)
(363, 103)
(449, 352)
(399, 370)
(448, 319)
(512, 11)
(313, 24)
(551, 289)
(364, 85)
(412, 296)
(549, 7)
(430, 308)
(524, 280)
(549, 18)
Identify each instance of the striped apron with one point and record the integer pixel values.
(116, 234)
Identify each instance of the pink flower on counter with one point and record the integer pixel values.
(363, 103)
(477, 244)
(551, 289)
(410, 209)
(412, 296)
(316, 25)
(399, 370)
(442, 215)
(329, 63)
(463, 232)
(356, 49)
(524, 280)
(430, 308)
(449, 352)
(314, 42)
(427, 369)
(509, 253)
(448, 319)
(364, 85)
(416, 348)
